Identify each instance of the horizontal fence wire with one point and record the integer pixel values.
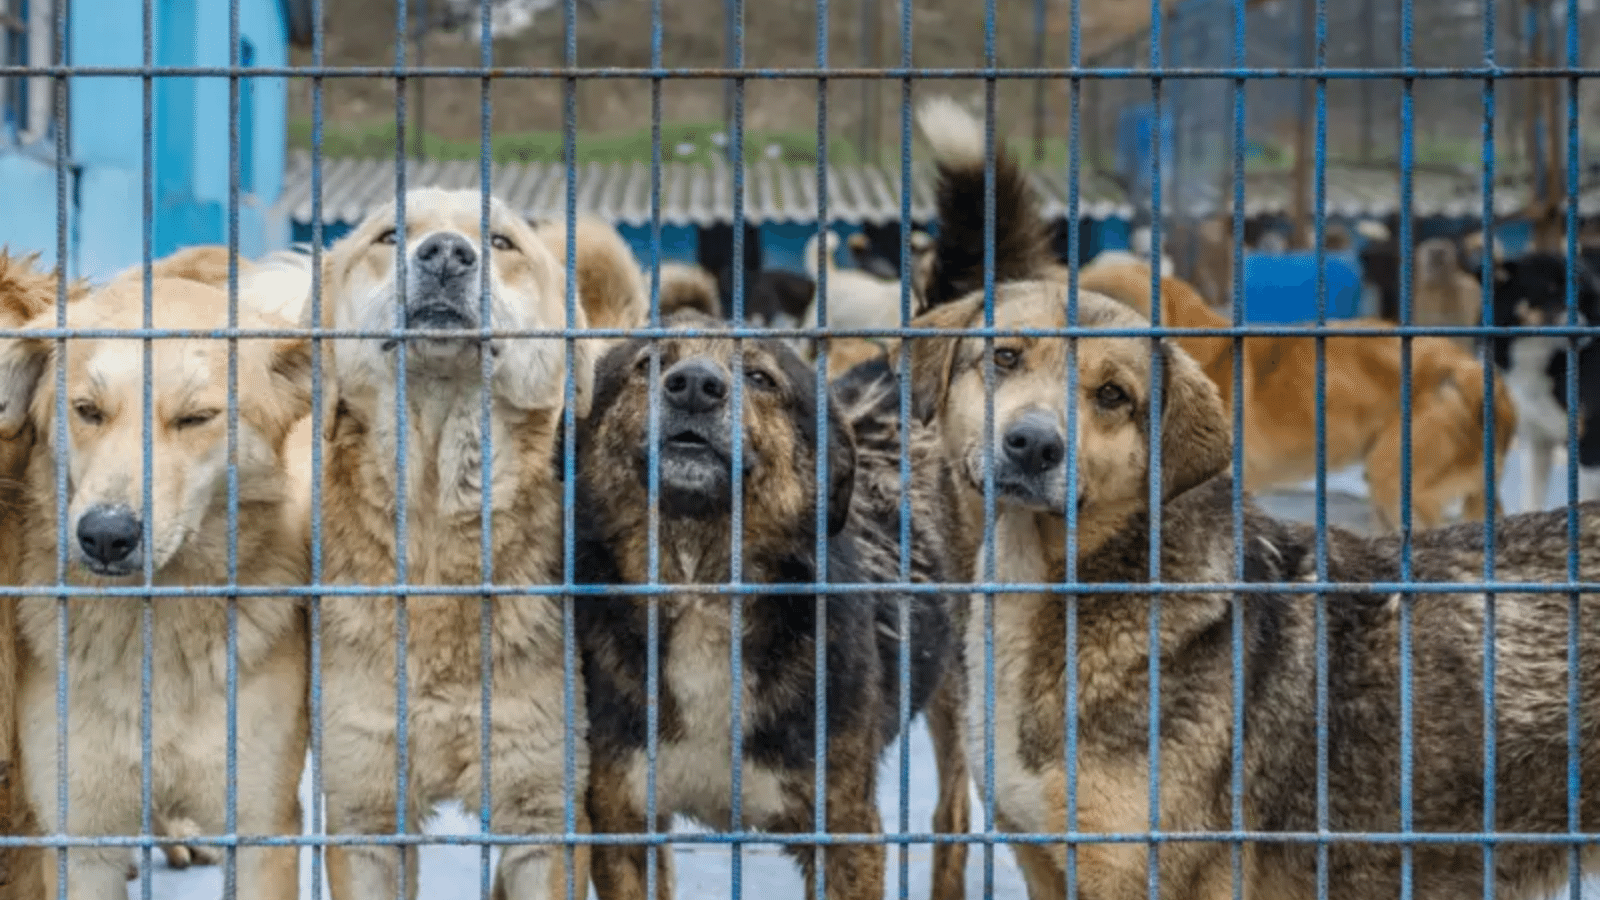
(1151, 577)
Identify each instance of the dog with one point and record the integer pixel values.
(1111, 674)
(1531, 291)
(1362, 405)
(445, 378)
(856, 300)
(1033, 458)
(685, 286)
(188, 546)
(1362, 402)
(1442, 292)
(605, 267)
(781, 517)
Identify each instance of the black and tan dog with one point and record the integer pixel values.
(862, 632)
(1117, 405)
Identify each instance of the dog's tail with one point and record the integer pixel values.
(1021, 235)
(687, 286)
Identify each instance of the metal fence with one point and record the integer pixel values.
(1214, 95)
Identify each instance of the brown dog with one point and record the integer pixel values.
(446, 383)
(188, 547)
(864, 633)
(1362, 406)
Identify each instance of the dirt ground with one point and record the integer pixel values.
(777, 33)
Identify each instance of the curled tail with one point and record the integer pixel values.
(1021, 235)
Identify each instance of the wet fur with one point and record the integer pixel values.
(189, 548)
(780, 521)
(444, 501)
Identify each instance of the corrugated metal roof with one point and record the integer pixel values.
(691, 193)
(701, 194)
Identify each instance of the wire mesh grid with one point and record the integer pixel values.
(1238, 829)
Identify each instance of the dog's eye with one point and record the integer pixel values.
(89, 413)
(195, 419)
(387, 236)
(1110, 396)
(760, 379)
(501, 242)
(1006, 357)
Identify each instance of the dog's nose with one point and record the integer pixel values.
(108, 534)
(695, 386)
(446, 256)
(1034, 445)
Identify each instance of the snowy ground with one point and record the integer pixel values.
(453, 873)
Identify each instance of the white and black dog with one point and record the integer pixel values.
(1531, 290)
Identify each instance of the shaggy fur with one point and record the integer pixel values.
(864, 633)
(188, 531)
(856, 299)
(445, 481)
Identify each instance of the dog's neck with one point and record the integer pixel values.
(695, 551)
(1030, 546)
(444, 446)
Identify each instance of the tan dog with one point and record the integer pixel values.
(189, 547)
(605, 269)
(1362, 407)
(445, 379)
(685, 286)
(1442, 293)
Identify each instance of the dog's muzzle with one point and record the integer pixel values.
(1031, 465)
(695, 452)
(443, 285)
(109, 538)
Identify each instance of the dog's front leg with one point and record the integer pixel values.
(952, 813)
(852, 871)
(621, 870)
(1541, 456)
(367, 871)
(539, 870)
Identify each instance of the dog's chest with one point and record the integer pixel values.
(694, 768)
(1018, 790)
(1539, 409)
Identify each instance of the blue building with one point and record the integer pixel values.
(103, 177)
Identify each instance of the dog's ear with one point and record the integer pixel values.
(22, 362)
(330, 382)
(841, 469)
(1196, 442)
(289, 369)
(932, 357)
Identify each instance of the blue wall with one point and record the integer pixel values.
(191, 139)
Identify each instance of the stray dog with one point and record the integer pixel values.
(1531, 291)
(438, 280)
(187, 536)
(856, 299)
(605, 268)
(1362, 401)
(1443, 293)
(864, 633)
(1362, 405)
(1195, 728)
(685, 286)
(1032, 451)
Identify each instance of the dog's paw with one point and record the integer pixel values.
(180, 855)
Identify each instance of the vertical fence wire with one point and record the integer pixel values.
(486, 362)
(232, 840)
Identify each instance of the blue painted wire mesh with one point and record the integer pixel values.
(1202, 67)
